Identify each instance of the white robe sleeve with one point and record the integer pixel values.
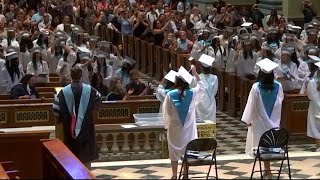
(312, 91)
(251, 105)
(198, 92)
(167, 111)
(4, 87)
(160, 93)
(30, 69)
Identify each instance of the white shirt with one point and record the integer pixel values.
(42, 69)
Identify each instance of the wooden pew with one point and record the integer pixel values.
(232, 94)
(125, 45)
(117, 112)
(141, 97)
(22, 115)
(165, 61)
(144, 56)
(137, 52)
(3, 173)
(60, 163)
(41, 94)
(54, 79)
(45, 89)
(158, 59)
(24, 149)
(27, 101)
(173, 59)
(49, 84)
(150, 60)
(131, 47)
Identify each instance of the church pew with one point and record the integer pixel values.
(49, 84)
(3, 174)
(24, 149)
(109, 35)
(165, 61)
(221, 98)
(61, 163)
(125, 44)
(232, 93)
(131, 47)
(117, 112)
(150, 60)
(294, 115)
(141, 97)
(54, 79)
(144, 56)
(41, 94)
(53, 75)
(27, 101)
(137, 52)
(158, 62)
(26, 115)
(45, 89)
(173, 59)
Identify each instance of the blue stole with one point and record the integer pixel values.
(183, 105)
(84, 101)
(269, 98)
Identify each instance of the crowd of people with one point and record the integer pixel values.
(42, 38)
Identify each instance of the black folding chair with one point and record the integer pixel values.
(273, 146)
(198, 154)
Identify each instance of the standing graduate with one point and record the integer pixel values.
(38, 66)
(165, 86)
(73, 108)
(207, 108)
(263, 108)
(10, 75)
(179, 114)
(313, 91)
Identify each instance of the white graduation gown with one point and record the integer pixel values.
(41, 69)
(288, 84)
(116, 62)
(178, 137)
(219, 60)
(14, 43)
(24, 59)
(125, 79)
(85, 73)
(229, 59)
(6, 83)
(256, 115)
(313, 125)
(2, 63)
(65, 71)
(107, 76)
(245, 66)
(52, 61)
(303, 76)
(207, 107)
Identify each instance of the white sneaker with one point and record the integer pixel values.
(318, 149)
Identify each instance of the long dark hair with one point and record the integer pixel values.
(214, 44)
(13, 68)
(182, 86)
(206, 70)
(294, 58)
(269, 40)
(25, 43)
(94, 80)
(104, 67)
(34, 60)
(40, 41)
(266, 80)
(25, 79)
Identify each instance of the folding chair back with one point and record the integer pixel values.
(274, 138)
(202, 144)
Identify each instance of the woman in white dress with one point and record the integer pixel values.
(84, 61)
(207, 107)
(37, 66)
(179, 115)
(66, 62)
(263, 108)
(25, 46)
(10, 74)
(313, 125)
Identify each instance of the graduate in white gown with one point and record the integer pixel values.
(83, 62)
(123, 73)
(10, 74)
(313, 125)
(207, 108)
(103, 68)
(165, 86)
(179, 115)
(38, 66)
(263, 108)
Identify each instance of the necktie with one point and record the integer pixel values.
(73, 122)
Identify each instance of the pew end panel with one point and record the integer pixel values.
(60, 163)
(24, 150)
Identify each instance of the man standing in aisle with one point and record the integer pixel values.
(73, 108)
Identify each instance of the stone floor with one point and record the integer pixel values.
(303, 166)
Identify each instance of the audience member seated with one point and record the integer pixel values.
(25, 89)
(116, 92)
(136, 85)
(97, 83)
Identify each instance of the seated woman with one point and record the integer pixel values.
(25, 89)
(138, 87)
(38, 66)
(116, 93)
(97, 83)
